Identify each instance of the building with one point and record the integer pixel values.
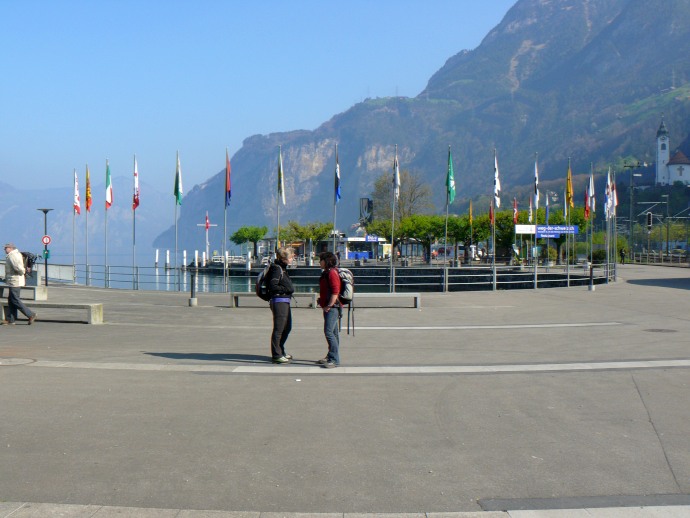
(670, 169)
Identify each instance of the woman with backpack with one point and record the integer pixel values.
(329, 290)
(280, 289)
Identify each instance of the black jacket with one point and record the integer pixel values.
(279, 283)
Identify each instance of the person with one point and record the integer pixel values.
(622, 253)
(14, 278)
(329, 289)
(280, 289)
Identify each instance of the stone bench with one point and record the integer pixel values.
(27, 292)
(94, 311)
(361, 298)
(235, 299)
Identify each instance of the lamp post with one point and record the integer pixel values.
(668, 235)
(45, 246)
(631, 168)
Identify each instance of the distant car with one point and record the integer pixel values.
(679, 251)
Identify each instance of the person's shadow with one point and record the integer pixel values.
(219, 357)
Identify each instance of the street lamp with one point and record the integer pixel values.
(668, 198)
(45, 245)
(632, 167)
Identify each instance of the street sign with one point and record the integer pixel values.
(556, 230)
(45, 240)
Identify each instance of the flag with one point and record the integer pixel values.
(587, 198)
(135, 196)
(108, 187)
(470, 210)
(608, 201)
(497, 183)
(178, 182)
(547, 208)
(88, 190)
(450, 180)
(536, 185)
(491, 213)
(208, 223)
(281, 183)
(614, 197)
(529, 214)
(227, 178)
(569, 202)
(592, 200)
(396, 176)
(77, 202)
(565, 207)
(337, 176)
(515, 211)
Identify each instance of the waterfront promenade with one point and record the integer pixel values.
(547, 403)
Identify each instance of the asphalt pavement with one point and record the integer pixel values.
(546, 403)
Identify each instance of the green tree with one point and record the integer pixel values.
(249, 234)
(314, 231)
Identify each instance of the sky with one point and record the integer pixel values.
(84, 81)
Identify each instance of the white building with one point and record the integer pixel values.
(670, 169)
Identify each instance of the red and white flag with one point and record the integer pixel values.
(135, 196)
(77, 201)
(515, 211)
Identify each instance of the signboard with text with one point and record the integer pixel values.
(556, 230)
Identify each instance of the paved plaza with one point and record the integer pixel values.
(549, 403)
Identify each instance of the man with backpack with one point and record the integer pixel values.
(14, 278)
(329, 290)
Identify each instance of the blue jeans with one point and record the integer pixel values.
(330, 329)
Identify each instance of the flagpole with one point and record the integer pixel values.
(493, 245)
(225, 225)
(535, 196)
(105, 273)
(134, 228)
(615, 226)
(392, 270)
(74, 232)
(280, 172)
(335, 204)
(87, 197)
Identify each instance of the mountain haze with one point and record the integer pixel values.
(585, 79)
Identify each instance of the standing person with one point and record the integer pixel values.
(329, 289)
(622, 253)
(14, 278)
(280, 288)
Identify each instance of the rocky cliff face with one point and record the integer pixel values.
(585, 79)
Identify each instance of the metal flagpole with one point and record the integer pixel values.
(335, 203)
(134, 226)
(105, 262)
(87, 197)
(74, 232)
(396, 186)
(493, 245)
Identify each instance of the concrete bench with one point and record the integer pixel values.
(235, 298)
(27, 292)
(361, 298)
(94, 312)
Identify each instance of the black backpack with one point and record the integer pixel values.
(29, 261)
(260, 285)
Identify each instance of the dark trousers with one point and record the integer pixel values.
(14, 304)
(282, 325)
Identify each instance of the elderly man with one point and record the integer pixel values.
(14, 278)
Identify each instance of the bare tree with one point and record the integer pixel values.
(415, 196)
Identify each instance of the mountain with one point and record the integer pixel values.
(20, 205)
(582, 79)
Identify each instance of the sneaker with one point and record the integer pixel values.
(322, 361)
(7, 323)
(288, 356)
(281, 360)
(329, 365)
(32, 318)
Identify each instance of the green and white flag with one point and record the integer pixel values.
(178, 182)
(450, 180)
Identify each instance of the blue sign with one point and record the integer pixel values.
(556, 230)
(371, 238)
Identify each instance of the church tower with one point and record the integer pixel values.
(663, 154)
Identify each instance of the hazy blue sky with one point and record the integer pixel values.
(82, 81)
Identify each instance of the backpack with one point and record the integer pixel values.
(347, 286)
(260, 285)
(29, 261)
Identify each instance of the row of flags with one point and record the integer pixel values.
(611, 201)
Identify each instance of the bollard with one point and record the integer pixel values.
(591, 277)
(192, 299)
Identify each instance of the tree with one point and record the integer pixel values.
(249, 235)
(415, 196)
(315, 231)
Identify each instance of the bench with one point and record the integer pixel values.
(362, 297)
(28, 292)
(235, 298)
(94, 312)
